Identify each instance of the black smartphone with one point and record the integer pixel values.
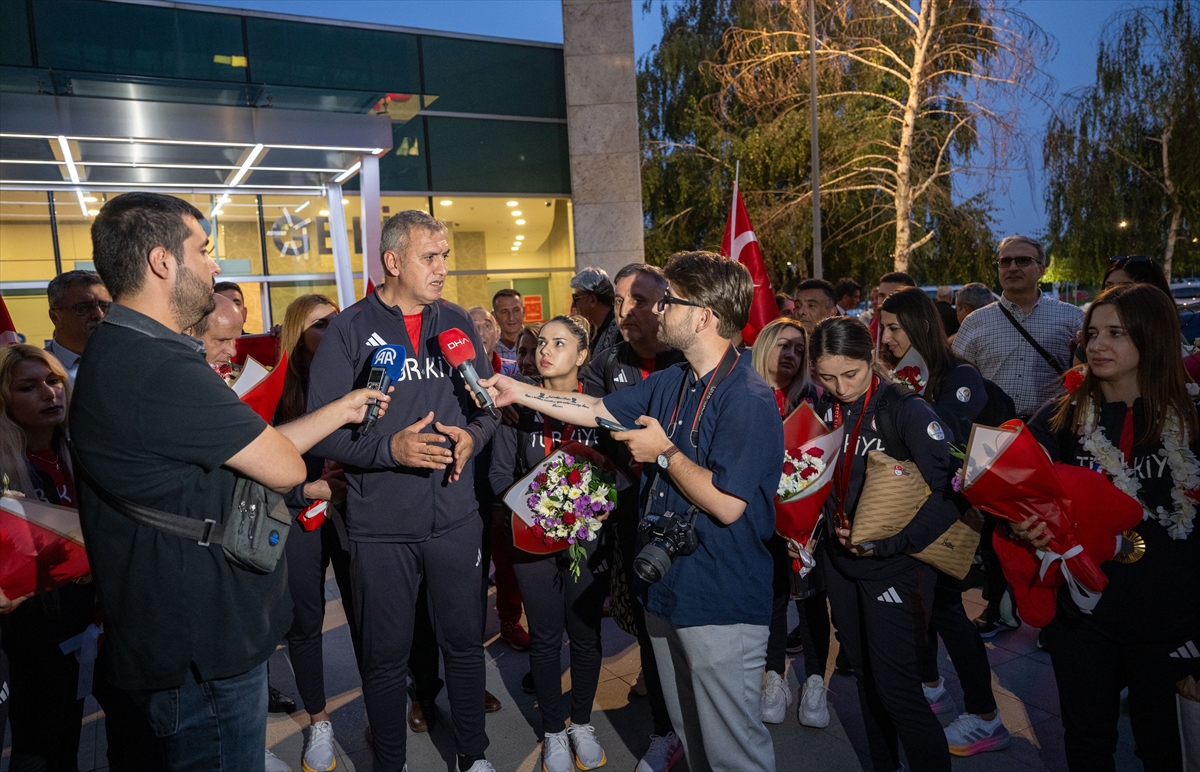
(613, 426)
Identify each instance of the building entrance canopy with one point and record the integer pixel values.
(79, 145)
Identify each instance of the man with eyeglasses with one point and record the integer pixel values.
(78, 302)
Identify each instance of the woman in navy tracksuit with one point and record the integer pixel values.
(880, 595)
(556, 601)
(909, 319)
(1144, 633)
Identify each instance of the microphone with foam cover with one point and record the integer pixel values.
(386, 368)
(460, 353)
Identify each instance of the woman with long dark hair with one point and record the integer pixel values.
(1131, 416)
(1135, 269)
(310, 552)
(908, 321)
(881, 596)
(780, 355)
(555, 600)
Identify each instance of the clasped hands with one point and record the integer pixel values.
(414, 447)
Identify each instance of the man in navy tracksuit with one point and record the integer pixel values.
(411, 512)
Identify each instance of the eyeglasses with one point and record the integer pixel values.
(576, 296)
(671, 300)
(1021, 262)
(85, 308)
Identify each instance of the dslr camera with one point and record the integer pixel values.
(666, 536)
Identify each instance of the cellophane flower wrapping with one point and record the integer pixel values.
(41, 546)
(806, 478)
(566, 498)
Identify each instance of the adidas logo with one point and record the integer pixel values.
(1186, 651)
(890, 596)
(621, 378)
(375, 340)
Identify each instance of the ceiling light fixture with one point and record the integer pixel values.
(323, 213)
(93, 212)
(514, 249)
(515, 213)
(445, 202)
(510, 203)
(348, 173)
(520, 222)
(90, 199)
(300, 208)
(520, 238)
(245, 167)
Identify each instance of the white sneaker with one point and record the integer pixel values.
(663, 754)
(319, 755)
(556, 753)
(970, 734)
(814, 708)
(940, 701)
(483, 765)
(588, 753)
(776, 696)
(276, 764)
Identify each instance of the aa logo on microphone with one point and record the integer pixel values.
(385, 356)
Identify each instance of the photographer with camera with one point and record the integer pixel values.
(708, 508)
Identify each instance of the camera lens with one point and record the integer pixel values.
(652, 562)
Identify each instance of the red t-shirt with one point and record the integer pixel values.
(64, 486)
(413, 323)
(646, 365)
(781, 401)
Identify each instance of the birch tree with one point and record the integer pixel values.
(910, 96)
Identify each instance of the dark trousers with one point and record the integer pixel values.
(1091, 669)
(963, 644)
(423, 656)
(994, 583)
(883, 625)
(386, 579)
(309, 554)
(814, 618)
(814, 632)
(555, 601)
(626, 539)
(508, 592)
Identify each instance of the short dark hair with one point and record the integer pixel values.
(842, 336)
(974, 295)
(128, 227)
(714, 282)
(846, 287)
(822, 285)
(897, 277)
(56, 290)
(642, 269)
(780, 297)
(223, 286)
(505, 293)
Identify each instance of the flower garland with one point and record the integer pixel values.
(1185, 471)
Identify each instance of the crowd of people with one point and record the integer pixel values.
(174, 478)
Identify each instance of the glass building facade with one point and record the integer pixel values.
(479, 139)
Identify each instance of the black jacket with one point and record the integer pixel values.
(386, 501)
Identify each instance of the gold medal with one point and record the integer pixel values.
(1133, 547)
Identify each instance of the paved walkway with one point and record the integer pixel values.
(1022, 680)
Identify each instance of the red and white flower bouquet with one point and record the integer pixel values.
(810, 457)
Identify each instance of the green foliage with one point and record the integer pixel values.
(1123, 155)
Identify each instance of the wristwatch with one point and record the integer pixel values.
(664, 458)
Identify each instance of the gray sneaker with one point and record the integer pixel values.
(556, 753)
(588, 753)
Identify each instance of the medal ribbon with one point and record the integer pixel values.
(842, 476)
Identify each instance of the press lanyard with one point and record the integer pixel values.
(842, 480)
(548, 437)
(724, 368)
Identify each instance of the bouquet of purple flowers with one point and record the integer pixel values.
(568, 498)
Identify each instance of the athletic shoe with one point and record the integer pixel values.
(556, 753)
(319, 755)
(795, 642)
(814, 707)
(663, 754)
(516, 636)
(776, 696)
(940, 700)
(278, 702)
(588, 753)
(970, 734)
(991, 622)
(276, 764)
(639, 687)
(483, 765)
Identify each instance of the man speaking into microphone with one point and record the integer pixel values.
(411, 513)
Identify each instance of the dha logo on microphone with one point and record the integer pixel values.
(385, 356)
(457, 342)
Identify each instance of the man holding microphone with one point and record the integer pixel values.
(708, 507)
(411, 512)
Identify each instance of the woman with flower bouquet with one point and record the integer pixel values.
(780, 355)
(1129, 413)
(560, 589)
(911, 329)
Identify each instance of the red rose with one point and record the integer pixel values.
(575, 477)
(789, 467)
(1073, 380)
(816, 453)
(538, 531)
(540, 479)
(569, 518)
(548, 541)
(808, 472)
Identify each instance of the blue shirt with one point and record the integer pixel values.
(727, 580)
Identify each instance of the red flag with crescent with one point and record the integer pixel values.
(739, 243)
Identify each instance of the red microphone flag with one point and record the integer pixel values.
(739, 243)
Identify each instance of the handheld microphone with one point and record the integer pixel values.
(386, 368)
(459, 352)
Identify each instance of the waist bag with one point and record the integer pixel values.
(253, 537)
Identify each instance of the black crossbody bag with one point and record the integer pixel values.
(253, 539)
(1050, 360)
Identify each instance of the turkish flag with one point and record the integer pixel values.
(370, 287)
(739, 243)
(8, 331)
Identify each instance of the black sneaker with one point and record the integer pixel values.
(795, 643)
(991, 622)
(278, 702)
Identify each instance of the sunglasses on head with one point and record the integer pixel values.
(1130, 259)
